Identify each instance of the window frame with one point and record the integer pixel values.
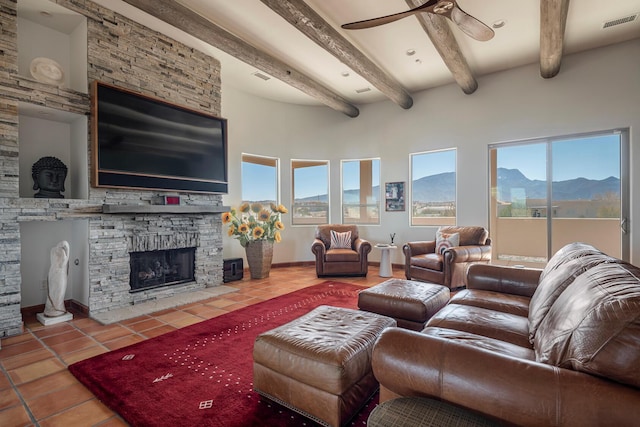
(265, 161)
(453, 220)
(366, 206)
(310, 163)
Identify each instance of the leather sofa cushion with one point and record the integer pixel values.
(428, 261)
(567, 253)
(594, 325)
(555, 282)
(480, 341)
(507, 327)
(498, 301)
(342, 255)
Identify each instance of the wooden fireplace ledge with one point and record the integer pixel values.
(164, 209)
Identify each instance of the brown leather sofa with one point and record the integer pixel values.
(552, 347)
(340, 262)
(422, 262)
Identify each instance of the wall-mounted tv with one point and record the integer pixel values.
(141, 142)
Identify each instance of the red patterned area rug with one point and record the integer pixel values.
(202, 375)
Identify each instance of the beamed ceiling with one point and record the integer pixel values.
(296, 51)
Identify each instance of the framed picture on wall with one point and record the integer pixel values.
(394, 196)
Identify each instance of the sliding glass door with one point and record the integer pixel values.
(550, 192)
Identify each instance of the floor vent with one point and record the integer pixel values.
(614, 22)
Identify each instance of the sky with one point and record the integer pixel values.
(592, 158)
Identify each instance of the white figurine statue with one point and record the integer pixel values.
(57, 280)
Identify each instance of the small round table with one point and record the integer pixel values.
(385, 259)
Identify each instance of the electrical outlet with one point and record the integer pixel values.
(44, 284)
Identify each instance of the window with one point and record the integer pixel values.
(361, 191)
(433, 188)
(546, 193)
(310, 190)
(260, 179)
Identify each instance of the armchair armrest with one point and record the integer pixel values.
(419, 248)
(498, 278)
(473, 253)
(362, 246)
(517, 391)
(318, 248)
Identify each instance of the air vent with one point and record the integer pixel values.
(619, 21)
(363, 90)
(259, 75)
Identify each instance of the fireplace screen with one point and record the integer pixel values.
(161, 268)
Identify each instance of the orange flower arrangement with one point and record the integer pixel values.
(251, 222)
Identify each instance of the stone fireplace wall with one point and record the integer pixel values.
(129, 55)
(120, 234)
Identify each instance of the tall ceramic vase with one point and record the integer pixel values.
(259, 257)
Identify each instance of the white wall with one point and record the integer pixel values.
(596, 90)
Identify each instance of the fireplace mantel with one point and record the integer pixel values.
(164, 209)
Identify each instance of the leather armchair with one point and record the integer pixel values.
(340, 262)
(449, 268)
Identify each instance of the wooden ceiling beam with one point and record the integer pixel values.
(311, 24)
(440, 34)
(194, 24)
(553, 20)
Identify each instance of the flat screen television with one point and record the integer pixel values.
(140, 142)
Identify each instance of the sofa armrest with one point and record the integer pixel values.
(508, 280)
(517, 391)
(474, 253)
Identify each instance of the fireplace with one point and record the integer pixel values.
(153, 269)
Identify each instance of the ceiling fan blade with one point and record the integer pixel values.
(368, 23)
(470, 25)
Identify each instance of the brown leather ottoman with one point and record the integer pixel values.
(320, 364)
(410, 302)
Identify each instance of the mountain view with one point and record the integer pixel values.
(441, 187)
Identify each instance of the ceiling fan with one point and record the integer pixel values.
(447, 8)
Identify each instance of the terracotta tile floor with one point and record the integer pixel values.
(37, 390)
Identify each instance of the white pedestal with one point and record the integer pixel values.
(46, 321)
(385, 260)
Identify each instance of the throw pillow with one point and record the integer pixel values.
(445, 241)
(340, 240)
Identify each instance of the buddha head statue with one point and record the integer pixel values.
(48, 175)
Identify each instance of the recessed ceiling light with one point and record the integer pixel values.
(499, 23)
(345, 74)
(411, 52)
(363, 90)
(418, 61)
(46, 14)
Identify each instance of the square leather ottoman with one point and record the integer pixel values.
(410, 302)
(319, 365)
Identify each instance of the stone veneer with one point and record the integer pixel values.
(129, 55)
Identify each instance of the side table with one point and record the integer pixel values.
(385, 259)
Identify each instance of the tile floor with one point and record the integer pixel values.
(36, 389)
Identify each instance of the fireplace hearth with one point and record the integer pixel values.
(153, 269)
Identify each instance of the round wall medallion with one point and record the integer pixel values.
(47, 70)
